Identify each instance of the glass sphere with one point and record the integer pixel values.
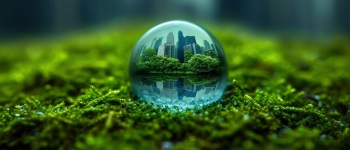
(178, 64)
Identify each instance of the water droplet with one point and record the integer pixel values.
(274, 136)
(317, 97)
(167, 145)
(17, 115)
(36, 133)
(246, 116)
(39, 113)
(220, 120)
(282, 129)
(167, 66)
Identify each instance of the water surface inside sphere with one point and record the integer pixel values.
(179, 91)
(178, 63)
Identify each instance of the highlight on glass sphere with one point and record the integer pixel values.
(178, 64)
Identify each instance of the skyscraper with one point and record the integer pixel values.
(169, 50)
(196, 49)
(141, 49)
(170, 38)
(206, 45)
(180, 46)
(161, 50)
(137, 54)
(188, 48)
(180, 88)
(190, 40)
(169, 46)
(213, 47)
(153, 41)
(157, 44)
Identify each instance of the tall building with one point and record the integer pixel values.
(135, 56)
(190, 40)
(180, 46)
(170, 38)
(153, 41)
(169, 89)
(213, 47)
(202, 48)
(159, 85)
(193, 88)
(196, 49)
(206, 45)
(180, 88)
(188, 48)
(170, 50)
(189, 94)
(141, 49)
(169, 46)
(169, 84)
(161, 50)
(157, 44)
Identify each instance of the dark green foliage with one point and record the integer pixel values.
(159, 64)
(196, 64)
(188, 56)
(203, 64)
(147, 55)
(74, 93)
(210, 52)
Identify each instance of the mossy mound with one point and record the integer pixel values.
(74, 93)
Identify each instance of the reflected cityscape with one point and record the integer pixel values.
(179, 91)
(177, 50)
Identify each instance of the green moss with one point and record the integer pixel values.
(74, 92)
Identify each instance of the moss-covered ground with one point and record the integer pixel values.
(73, 92)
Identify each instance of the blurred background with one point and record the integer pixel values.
(49, 17)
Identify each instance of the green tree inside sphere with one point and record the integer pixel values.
(203, 64)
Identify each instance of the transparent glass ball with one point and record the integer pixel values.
(178, 64)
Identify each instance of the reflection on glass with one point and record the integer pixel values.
(181, 91)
